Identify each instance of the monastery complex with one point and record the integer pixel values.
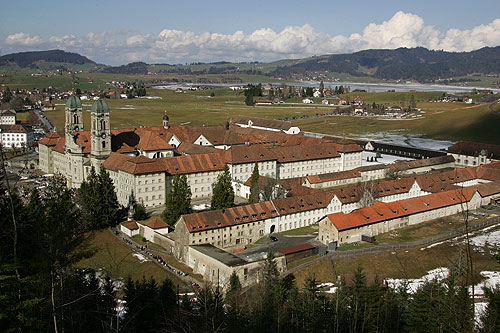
(321, 180)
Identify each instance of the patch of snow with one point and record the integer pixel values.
(385, 159)
(480, 238)
(412, 285)
(186, 294)
(140, 257)
(332, 290)
(479, 308)
(326, 284)
(492, 279)
(492, 239)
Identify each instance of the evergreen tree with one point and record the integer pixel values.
(249, 100)
(254, 185)
(149, 306)
(412, 104)
(108, 199)
(490, 320)
(223, 193)
(97, 199)
(321, 87)
(140, 213)
(177, 201)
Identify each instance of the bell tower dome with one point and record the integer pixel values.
(73, 121)
(165, 121)
(100, 131)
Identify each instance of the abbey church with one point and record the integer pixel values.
(142, 161)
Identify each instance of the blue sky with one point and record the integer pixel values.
(117, 32)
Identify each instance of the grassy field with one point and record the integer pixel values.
(404, 263)
(450, 121)
(425, 229)
(117, 260)
(308, 230)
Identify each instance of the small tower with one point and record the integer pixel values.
(100, 131)
(165, 121)
(74, 118)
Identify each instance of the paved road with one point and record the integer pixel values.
(46, 124)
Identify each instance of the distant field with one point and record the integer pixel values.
(450, 121)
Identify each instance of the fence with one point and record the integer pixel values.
(385, 247)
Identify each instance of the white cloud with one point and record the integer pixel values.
(169, 45)
(23, 39)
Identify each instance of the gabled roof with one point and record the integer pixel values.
(296, 248)
(14, 129)
(381, 211)
(50, 139)
(315, 179)
(216, 219)
(475, 148)
(155, 223)
(130, 225)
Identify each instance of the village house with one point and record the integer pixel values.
(7, 117)
(16, 136)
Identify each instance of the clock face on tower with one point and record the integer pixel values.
(77, 128)
(103, 135)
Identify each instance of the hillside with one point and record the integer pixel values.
(33, 59)
(418, 64)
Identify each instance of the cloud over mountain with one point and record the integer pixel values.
(265, 44)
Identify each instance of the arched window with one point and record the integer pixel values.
(103, 144)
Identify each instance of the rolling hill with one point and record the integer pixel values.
(31, 59)
(418, 64)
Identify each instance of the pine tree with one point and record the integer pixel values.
(108, 200)
(412, 104)
(223, 193)
(140, 213)
(254, 185)
(97, 198)
(178, 200)
(249, 99)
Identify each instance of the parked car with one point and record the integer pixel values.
(273, 238)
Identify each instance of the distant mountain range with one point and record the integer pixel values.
(419, 64)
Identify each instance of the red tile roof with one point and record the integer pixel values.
(155, 223)
(131, 225)
(255, 212)
(296, 248)
(50, 139)
(380, 211)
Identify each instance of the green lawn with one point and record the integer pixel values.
(308, 230)
(117, 260)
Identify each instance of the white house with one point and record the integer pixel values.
(7, 117)
(16, 136)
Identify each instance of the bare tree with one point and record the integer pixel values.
(368, 194)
